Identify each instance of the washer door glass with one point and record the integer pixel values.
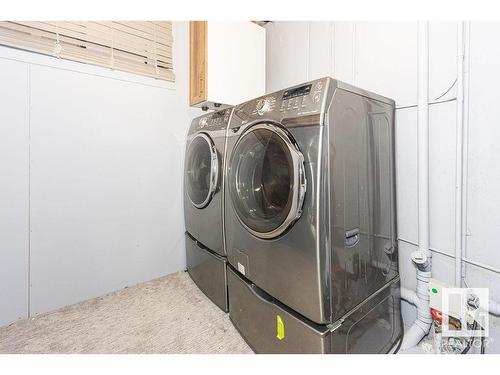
(201, 170)
(263, 179)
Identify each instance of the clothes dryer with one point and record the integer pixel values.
(203, 204)
(310, 219)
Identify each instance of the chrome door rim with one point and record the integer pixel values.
(299, 180)
(214, 170)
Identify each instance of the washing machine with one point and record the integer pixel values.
(203, 204)
(310, 221)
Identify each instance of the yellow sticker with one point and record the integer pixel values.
(280, 328)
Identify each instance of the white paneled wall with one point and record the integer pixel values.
(442, 169)
(343, 50)
(319, 55)
(290, 65)
(382, 57)
(91, 166)
(484, 145)
(102, 199)
(385, 57)
(442, 59)
(14, 190)
(406, 171)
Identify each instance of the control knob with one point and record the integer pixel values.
(203, 122)
(263, 105)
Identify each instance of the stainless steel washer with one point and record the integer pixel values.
(310, 218)
(203, 204)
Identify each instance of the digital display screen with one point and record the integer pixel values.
(297, 91)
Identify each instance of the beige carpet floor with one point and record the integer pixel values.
(166, 315)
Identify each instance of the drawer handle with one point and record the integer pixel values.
(259, 293)
(351, 237)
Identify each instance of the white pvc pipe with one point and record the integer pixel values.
(459, 155)
(422, 258)
(423, 138)
(409, 296)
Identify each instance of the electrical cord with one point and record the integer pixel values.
(482, 339)
(447, 91)
(469, 344)
(472, 339)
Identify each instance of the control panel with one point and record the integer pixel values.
(295, 101)
(214, 121)
(263, 105)
(297, 91)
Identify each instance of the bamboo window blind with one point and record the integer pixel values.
(141, 47)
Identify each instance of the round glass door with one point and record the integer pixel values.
(266, 180)
(202, 168)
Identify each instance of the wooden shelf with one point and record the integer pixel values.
(198, 59)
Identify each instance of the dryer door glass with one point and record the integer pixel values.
(263, 180)
(201, 170)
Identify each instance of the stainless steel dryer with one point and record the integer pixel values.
(310, 221)
(203, 204)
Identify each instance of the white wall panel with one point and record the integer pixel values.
(14, 190)
(287, 56)
(442, 168)
(484, 137)
(343, 51)
(443, 268)
(442, 59)
(105, 212)
(386, 59)
(320, 50)
(406, 174)
(479, 277)
(105, 178)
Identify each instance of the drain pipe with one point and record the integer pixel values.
(422, 258)
(459, 175)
